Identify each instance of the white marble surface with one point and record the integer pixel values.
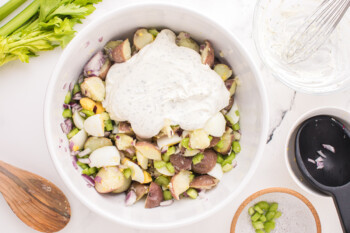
(22, 93)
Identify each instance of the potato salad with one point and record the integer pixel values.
(153, 116)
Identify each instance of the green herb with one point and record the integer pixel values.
(43, 25)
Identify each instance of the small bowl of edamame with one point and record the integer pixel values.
(273, 210)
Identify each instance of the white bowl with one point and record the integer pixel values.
(292, 166)
(251, 98)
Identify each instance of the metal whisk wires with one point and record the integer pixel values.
(315, 30)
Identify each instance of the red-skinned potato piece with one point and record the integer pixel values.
(180, 162)
(98, 65)
(122, 52)
(207, 163)
(179, 183)
(225, 143)
(231, 86)
(214, 141)
(154, 196)
(207, 54)
(204, 182)
(230, 104)
(139, 189)
(148, 150)
(125, 127)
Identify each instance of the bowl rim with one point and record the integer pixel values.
(77, 193)
(332, 111)
(292, 192)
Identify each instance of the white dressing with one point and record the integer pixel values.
(164, 82)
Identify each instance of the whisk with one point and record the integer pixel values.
(315, 30)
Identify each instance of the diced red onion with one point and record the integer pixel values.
(77, 96)
(81, 79)
(329, 147)
(98, 179)
(74, 162)
(66, 106)
(64, 86)
(130, 198)
(133, 142)
(321, 153)
(64, 128)
(71, 85)
(201, 47)
(87, 43)
(65, 149)
(85, 152)
(311, 161)
(130, 150)
(71, 145)
(61, 140)
(69, 123)
(100, 39)
(202, 194)
(319, 159)
(320, 165)
(117, 137)
(164, 149)
(107, 133)
(93, 66)
(74, 153)
(86, 160)
(166, 203)
(234, 163)
(179, 132)
(82, 114)
(88, 179)
(185, 194)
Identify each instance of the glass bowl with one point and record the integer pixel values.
(325, 71)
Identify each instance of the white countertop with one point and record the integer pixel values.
(22, 93)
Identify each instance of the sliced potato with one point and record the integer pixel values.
(148, 150)
(214, 141)
(94, 88)
(109, 179)
(199, 139)
(139, 189)
(225, 143)
(105, 156)
(122, 52)
(124, 187)
(78, 120)
(203, 182)
(215, 126)
(179, 184)
(231, 85)
(154, 196)
(168, 141)
(137, 173)
(142, 38)
(233, 115)
(94, 143)
(95, 126)
(98, 65)
(184, 39)
(110, 46)
(123, 141)
(180, 162)
(216, 172)
(78, 140)
(223, 70)
(207, 163)
(142, 160)
(164, 171)
(207, 54)
(125, 127)
(190, 152)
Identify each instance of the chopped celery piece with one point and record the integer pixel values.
(159, 164)
(162, 181)
(236, 147)
(185, 143)
(197, 158)
(236, 127)
(127, 173)
(89, 171)
(67, 113)
(192, 193)
(108, 125)
(68, 98)
(229, 159)
(76, 89)
(72, 133)
(167, 195)
(87, 113)
(170, 167)
(82, 165)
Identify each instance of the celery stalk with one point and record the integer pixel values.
(9, 7)
(20, 19)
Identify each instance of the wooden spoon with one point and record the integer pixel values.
(36, 201)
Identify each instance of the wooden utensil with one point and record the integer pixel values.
(36, 201)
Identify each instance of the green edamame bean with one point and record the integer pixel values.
(255, 217)
(258, 225)
(251, 211)
(273, 207)
(270, 215)
(258, 209)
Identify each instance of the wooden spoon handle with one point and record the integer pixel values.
(36, 201)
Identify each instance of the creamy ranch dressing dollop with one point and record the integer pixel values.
(164, 82)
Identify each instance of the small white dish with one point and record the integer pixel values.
(298, 214)
(289, 154)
